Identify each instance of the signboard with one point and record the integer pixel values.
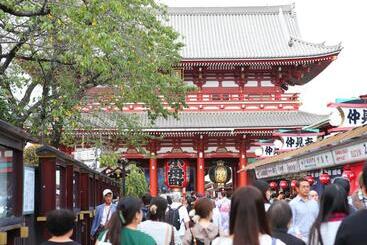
(316, 161)
(291, 142)
(353, 117)
(28, 190)
(351, 153)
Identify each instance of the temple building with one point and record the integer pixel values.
(242, 61)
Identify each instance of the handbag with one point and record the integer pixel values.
(104, 240)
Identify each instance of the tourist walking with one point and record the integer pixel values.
(122, 228)
(224, 206)
(155, 225)
(353, 229)
(248, 222)
(333, 209)
(60, 224)
(314, 195)
(203, 231)
(264, 188)
(183, 215)
(280, 217)
(344, 183)
(103, 214)
(304, 211)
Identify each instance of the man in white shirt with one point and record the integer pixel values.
(103, 213)
(184, 215)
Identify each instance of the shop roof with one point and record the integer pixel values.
(326, 142)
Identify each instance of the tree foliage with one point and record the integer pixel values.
(109, 159)
(52, 52)
(136, 184)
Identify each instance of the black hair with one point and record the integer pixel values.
(60, 221)
(263, 187)
(302, 179)
(333, 200)
(124, 215)
(169, 200)
(279, 215)
(157, 209)
(364, 176)
(147, 198)
(247, 218)
(344, 183)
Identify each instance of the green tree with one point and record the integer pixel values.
(63, 48)
(109, 159)
(136, 184)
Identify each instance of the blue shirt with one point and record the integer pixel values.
(304, 214)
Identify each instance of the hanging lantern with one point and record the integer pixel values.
(310, 179)
(294, 184)
(273, 185)
(348, 174)
(324, 178)
(220, 174)
(283, 184)
(176, 173)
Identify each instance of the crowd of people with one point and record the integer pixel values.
(251, 216)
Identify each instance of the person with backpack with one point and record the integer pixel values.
(155, 226)
(177, 214)
(203, 231)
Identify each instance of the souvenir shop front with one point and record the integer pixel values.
(343, 154)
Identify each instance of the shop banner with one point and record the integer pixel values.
(351, 153)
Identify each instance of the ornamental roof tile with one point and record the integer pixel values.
(265, 32)
(207, 120)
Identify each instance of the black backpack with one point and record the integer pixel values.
(173, 217)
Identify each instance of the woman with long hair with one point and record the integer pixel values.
(203, 231)
(248, 223)
(333, 209)
(122, 227)
(162, 232)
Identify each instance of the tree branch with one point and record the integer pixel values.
(40, 12)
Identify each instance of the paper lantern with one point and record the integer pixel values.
(348, 174)
(273, 185)
(220, 174)
(324, 178)
(283, 184)
(310, 179)
(176, 171)
(294, 184)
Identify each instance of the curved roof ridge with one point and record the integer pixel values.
(266, 9)
(317, 45)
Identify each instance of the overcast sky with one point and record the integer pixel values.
(332, 21)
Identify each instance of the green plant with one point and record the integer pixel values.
(136, 184)
(30, 156)
(108, 159)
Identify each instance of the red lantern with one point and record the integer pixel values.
(273, 185)
(176, 173)
(348, 174)
(310, 179)
(324, 178)
(294, 184)
(283, 184)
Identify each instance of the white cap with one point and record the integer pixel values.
(107, 191)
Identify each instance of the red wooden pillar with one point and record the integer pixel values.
(200, 173)
(153, 175)
(242, 176)
(47, 185)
